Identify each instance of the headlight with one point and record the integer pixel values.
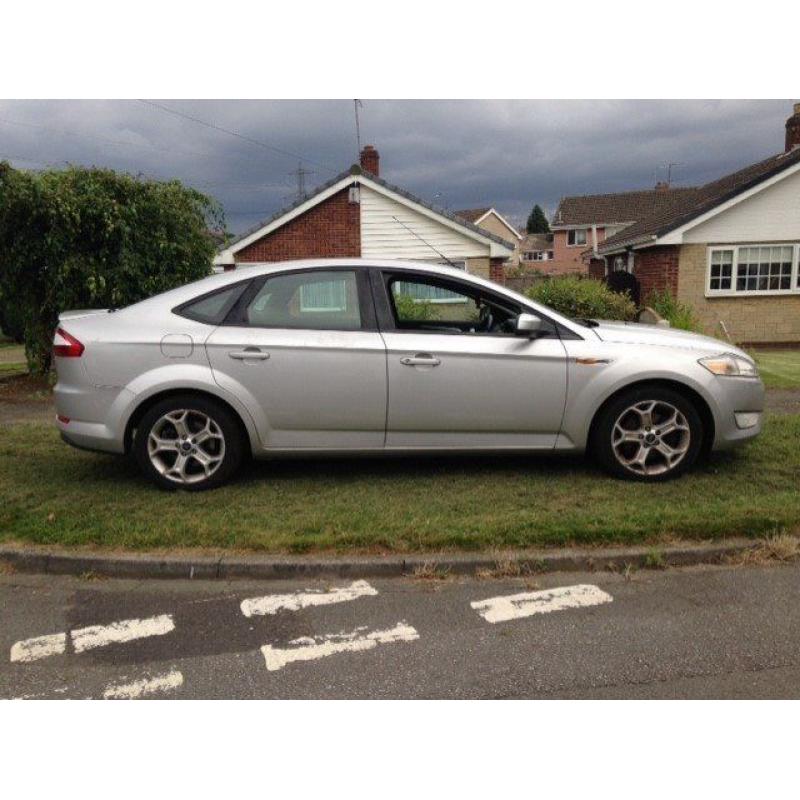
(730, 365)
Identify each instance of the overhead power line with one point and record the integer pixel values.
(241, 136)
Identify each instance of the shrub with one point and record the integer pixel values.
(680, 315)
(410, 309)
(83, 238)
(583, 297)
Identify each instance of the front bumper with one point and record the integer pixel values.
(740, 411)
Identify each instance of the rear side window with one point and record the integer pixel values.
(316, 300)
(213, 308)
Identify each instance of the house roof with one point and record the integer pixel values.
(697, 201)
(623, 207)
(356, 174)
(472, 214)
(536, 241)
(477, 215)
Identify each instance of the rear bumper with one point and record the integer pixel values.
(95, 416)
(90, 436)
(740, 412)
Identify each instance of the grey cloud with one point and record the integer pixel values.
(509, 154)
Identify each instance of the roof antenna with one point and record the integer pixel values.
(356, 105)
(427, 244)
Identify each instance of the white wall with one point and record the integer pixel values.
(772, 215)
(382, 237)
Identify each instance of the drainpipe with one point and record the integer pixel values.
(594, 240)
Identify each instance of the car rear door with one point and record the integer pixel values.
(302, 350)
(451, 387)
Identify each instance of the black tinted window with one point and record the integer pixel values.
(213, 308)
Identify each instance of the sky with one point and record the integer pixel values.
(452, 153)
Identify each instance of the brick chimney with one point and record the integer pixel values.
(370, 160)
(793, 129)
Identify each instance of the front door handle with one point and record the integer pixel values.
(420, 360)
(249, 354)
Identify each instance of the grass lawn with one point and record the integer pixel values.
(780, 369)
(51, 493)
(12, 359)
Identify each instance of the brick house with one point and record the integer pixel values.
(729, 248)
(583, 223)
(358, 214)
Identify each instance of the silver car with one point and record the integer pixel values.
(355, 356)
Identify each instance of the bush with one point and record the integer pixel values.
(84, 238)
(680, 315)
(583, 297)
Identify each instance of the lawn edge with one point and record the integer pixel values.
(497, 563)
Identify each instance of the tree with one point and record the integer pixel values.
(94, 238)
(537, 221)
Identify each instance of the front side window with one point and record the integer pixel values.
(751, 269)
(428, 304)
(318, 300)
(576, 237)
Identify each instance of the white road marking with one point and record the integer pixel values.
(124, 631)
(39, 647)
(273, 603)
(526, 604)
(146, 686)
(310, 648)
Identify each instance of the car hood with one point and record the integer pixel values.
(636, 333)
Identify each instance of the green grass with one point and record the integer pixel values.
(52, 494)
(780, 369)
(12, 359)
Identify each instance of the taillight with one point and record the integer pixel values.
(66, 346)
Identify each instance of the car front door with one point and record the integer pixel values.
(303, 351)
(459, 375)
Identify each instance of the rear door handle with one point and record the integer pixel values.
(249, 354)
(420, 360)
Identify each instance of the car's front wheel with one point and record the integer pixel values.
(188, 442)
(651, 433)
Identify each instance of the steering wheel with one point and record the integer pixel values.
(485, 319)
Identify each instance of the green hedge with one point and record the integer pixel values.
(583, 297)
(680, 315)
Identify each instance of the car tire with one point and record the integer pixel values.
(651, 433)
(188, 442)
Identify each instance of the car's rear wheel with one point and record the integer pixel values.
(651, 433)
(188, 442)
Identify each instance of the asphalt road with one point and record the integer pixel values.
(700, 633)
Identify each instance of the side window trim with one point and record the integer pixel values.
(237, 315)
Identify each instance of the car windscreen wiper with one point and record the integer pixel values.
(589, 323)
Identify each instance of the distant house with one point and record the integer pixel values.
(536, 251)
(730, 248)
(582, 223)
(358, 214)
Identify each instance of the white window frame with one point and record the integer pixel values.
(541, 255)
(584, 231)
(733, 292)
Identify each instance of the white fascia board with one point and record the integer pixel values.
(676, 236)
(496, 250)
(502, 219)
(287, 217)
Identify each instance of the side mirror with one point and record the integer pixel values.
(529, 324)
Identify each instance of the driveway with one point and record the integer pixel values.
(702, 632)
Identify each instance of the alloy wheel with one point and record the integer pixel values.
(186, 446)
(650, 437)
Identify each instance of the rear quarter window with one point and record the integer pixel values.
(212, 308)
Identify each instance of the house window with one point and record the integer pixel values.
(577, 237)
(753, 269)
(534, 255)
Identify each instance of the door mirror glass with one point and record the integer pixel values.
(529, 324)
